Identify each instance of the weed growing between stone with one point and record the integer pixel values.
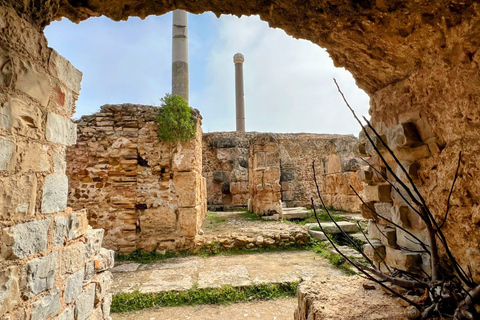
(135, 301)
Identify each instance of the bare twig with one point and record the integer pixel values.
(451, 189)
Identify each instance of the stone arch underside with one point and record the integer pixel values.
(418, 61)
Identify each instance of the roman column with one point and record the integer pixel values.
(180, 54)
(238, 59)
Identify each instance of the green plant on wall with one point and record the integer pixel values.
(174, 119)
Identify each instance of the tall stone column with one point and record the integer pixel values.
(238, 59)
(180, 54)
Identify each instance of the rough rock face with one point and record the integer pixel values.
(226, 162)
(52, 264)
(146, 194)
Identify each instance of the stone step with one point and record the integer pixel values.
(359, 236)
(294, 209)
(319, 235)
(331, 228)
(296, 213)
(352, 216)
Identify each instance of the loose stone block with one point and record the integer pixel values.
(40, 274)
(9, 289)
(378, 193)
(74, 285)
(389, 237)
(61, 130)
(47, 306)
(55, 193)
(25, 239)
(319, 235)
(403, 260)
(93, 243)
(374, 250)
(84, 304)
(7, 148)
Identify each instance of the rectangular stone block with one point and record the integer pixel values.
(365, 176)
(61, 130)
(407, 241)
(403, 135)
(389, 237)
(400, 216)
(24, 119)
(188, 220)
(160, 219)
(73, 285)
(33, 81)
(48, 306)
(412, 154)
(77, 224)
(34, 157)
(71, 259)
(367, 210)
(374, 251)
(40, 275)
(403, 260)
(383, 209)
(103, 281)
(9, 289)
(84, 304)
(378, 193)
(65, 72)
(7, 152)
(187, 187)
(105, 259)
(25, 239)
(93, 242)
(55, 193)
(67, 314)
(60, 232)
(18, 195)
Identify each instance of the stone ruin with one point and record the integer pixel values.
(233, 160)
(419, 63)
(145, 193)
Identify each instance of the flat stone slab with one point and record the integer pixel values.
(319, 235)
(298, 213)
(331, 228)
(212, 272)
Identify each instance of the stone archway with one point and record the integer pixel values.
(418, 62)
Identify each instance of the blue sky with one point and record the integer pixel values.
(288, 82)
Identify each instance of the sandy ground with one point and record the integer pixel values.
(281, 309)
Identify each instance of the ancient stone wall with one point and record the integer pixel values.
(226, 160)
(438, 117)
(51, 261)
(145, 193)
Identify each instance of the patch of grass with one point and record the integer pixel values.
(212, 218)
(251, 216)
(321, 247)
(135, 301)
(144, 257)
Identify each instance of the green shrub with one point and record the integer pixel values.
(174, 119)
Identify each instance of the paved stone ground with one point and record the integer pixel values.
(215, 271)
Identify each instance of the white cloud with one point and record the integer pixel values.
(288, 83)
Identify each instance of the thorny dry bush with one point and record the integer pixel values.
(448, 291)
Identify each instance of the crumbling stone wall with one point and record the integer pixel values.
(226, 161)
(145, 193)
(51, 262)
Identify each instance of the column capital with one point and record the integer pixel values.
(238, 58)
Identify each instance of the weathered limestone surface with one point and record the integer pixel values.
(41, 270)
(146, 194)
(225, 166)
